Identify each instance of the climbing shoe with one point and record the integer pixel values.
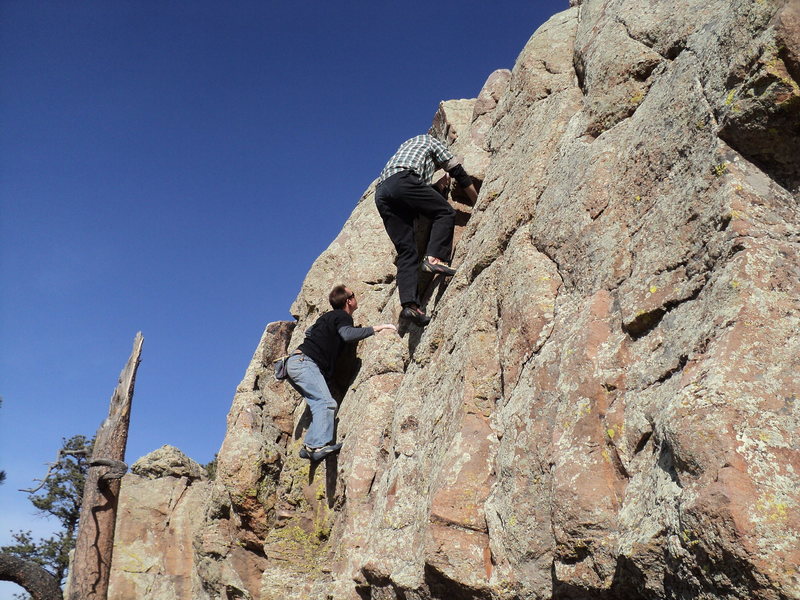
(415, 315)
(442, 268)
(317, 454)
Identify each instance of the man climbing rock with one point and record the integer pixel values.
(403, 193)
(310, 367)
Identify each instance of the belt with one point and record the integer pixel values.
(403, 172)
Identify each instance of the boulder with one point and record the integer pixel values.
(167, 461)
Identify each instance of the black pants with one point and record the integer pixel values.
(400, 199)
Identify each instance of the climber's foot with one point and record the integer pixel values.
(437, 267)
(416, 315)
(317, 454)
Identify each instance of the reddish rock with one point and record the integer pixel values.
(605, 404)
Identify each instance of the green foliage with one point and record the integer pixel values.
(51, 553)
(63, 491)
(60, 496)
(211, 468)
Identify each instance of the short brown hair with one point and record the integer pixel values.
(339, 296)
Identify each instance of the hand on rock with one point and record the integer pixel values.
(443, 184)
(388, 326)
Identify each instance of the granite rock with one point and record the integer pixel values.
(162, 502)
(167, 461)
(605, 404)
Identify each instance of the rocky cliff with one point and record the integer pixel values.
(605, 404)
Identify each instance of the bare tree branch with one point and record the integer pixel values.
(40, 584)
(50, 466)
(117, 471)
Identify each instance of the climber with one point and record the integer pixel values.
(403, 193)
(310, 367)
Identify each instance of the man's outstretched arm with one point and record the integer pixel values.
(353, 334)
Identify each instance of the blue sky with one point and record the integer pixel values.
(175, 168)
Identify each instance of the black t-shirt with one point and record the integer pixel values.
(323, 342)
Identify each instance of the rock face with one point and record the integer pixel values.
(605, 404)
(160, 500)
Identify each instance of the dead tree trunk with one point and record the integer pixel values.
(40, 584)
(91, 564)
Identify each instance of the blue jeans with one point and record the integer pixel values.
(305, 376)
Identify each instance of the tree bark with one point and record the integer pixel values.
(91, 564)
(40, 584)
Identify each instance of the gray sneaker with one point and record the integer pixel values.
(317, 454)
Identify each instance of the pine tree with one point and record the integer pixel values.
(60, 496)
(211, 468)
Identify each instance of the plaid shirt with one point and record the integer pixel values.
(422, 154)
